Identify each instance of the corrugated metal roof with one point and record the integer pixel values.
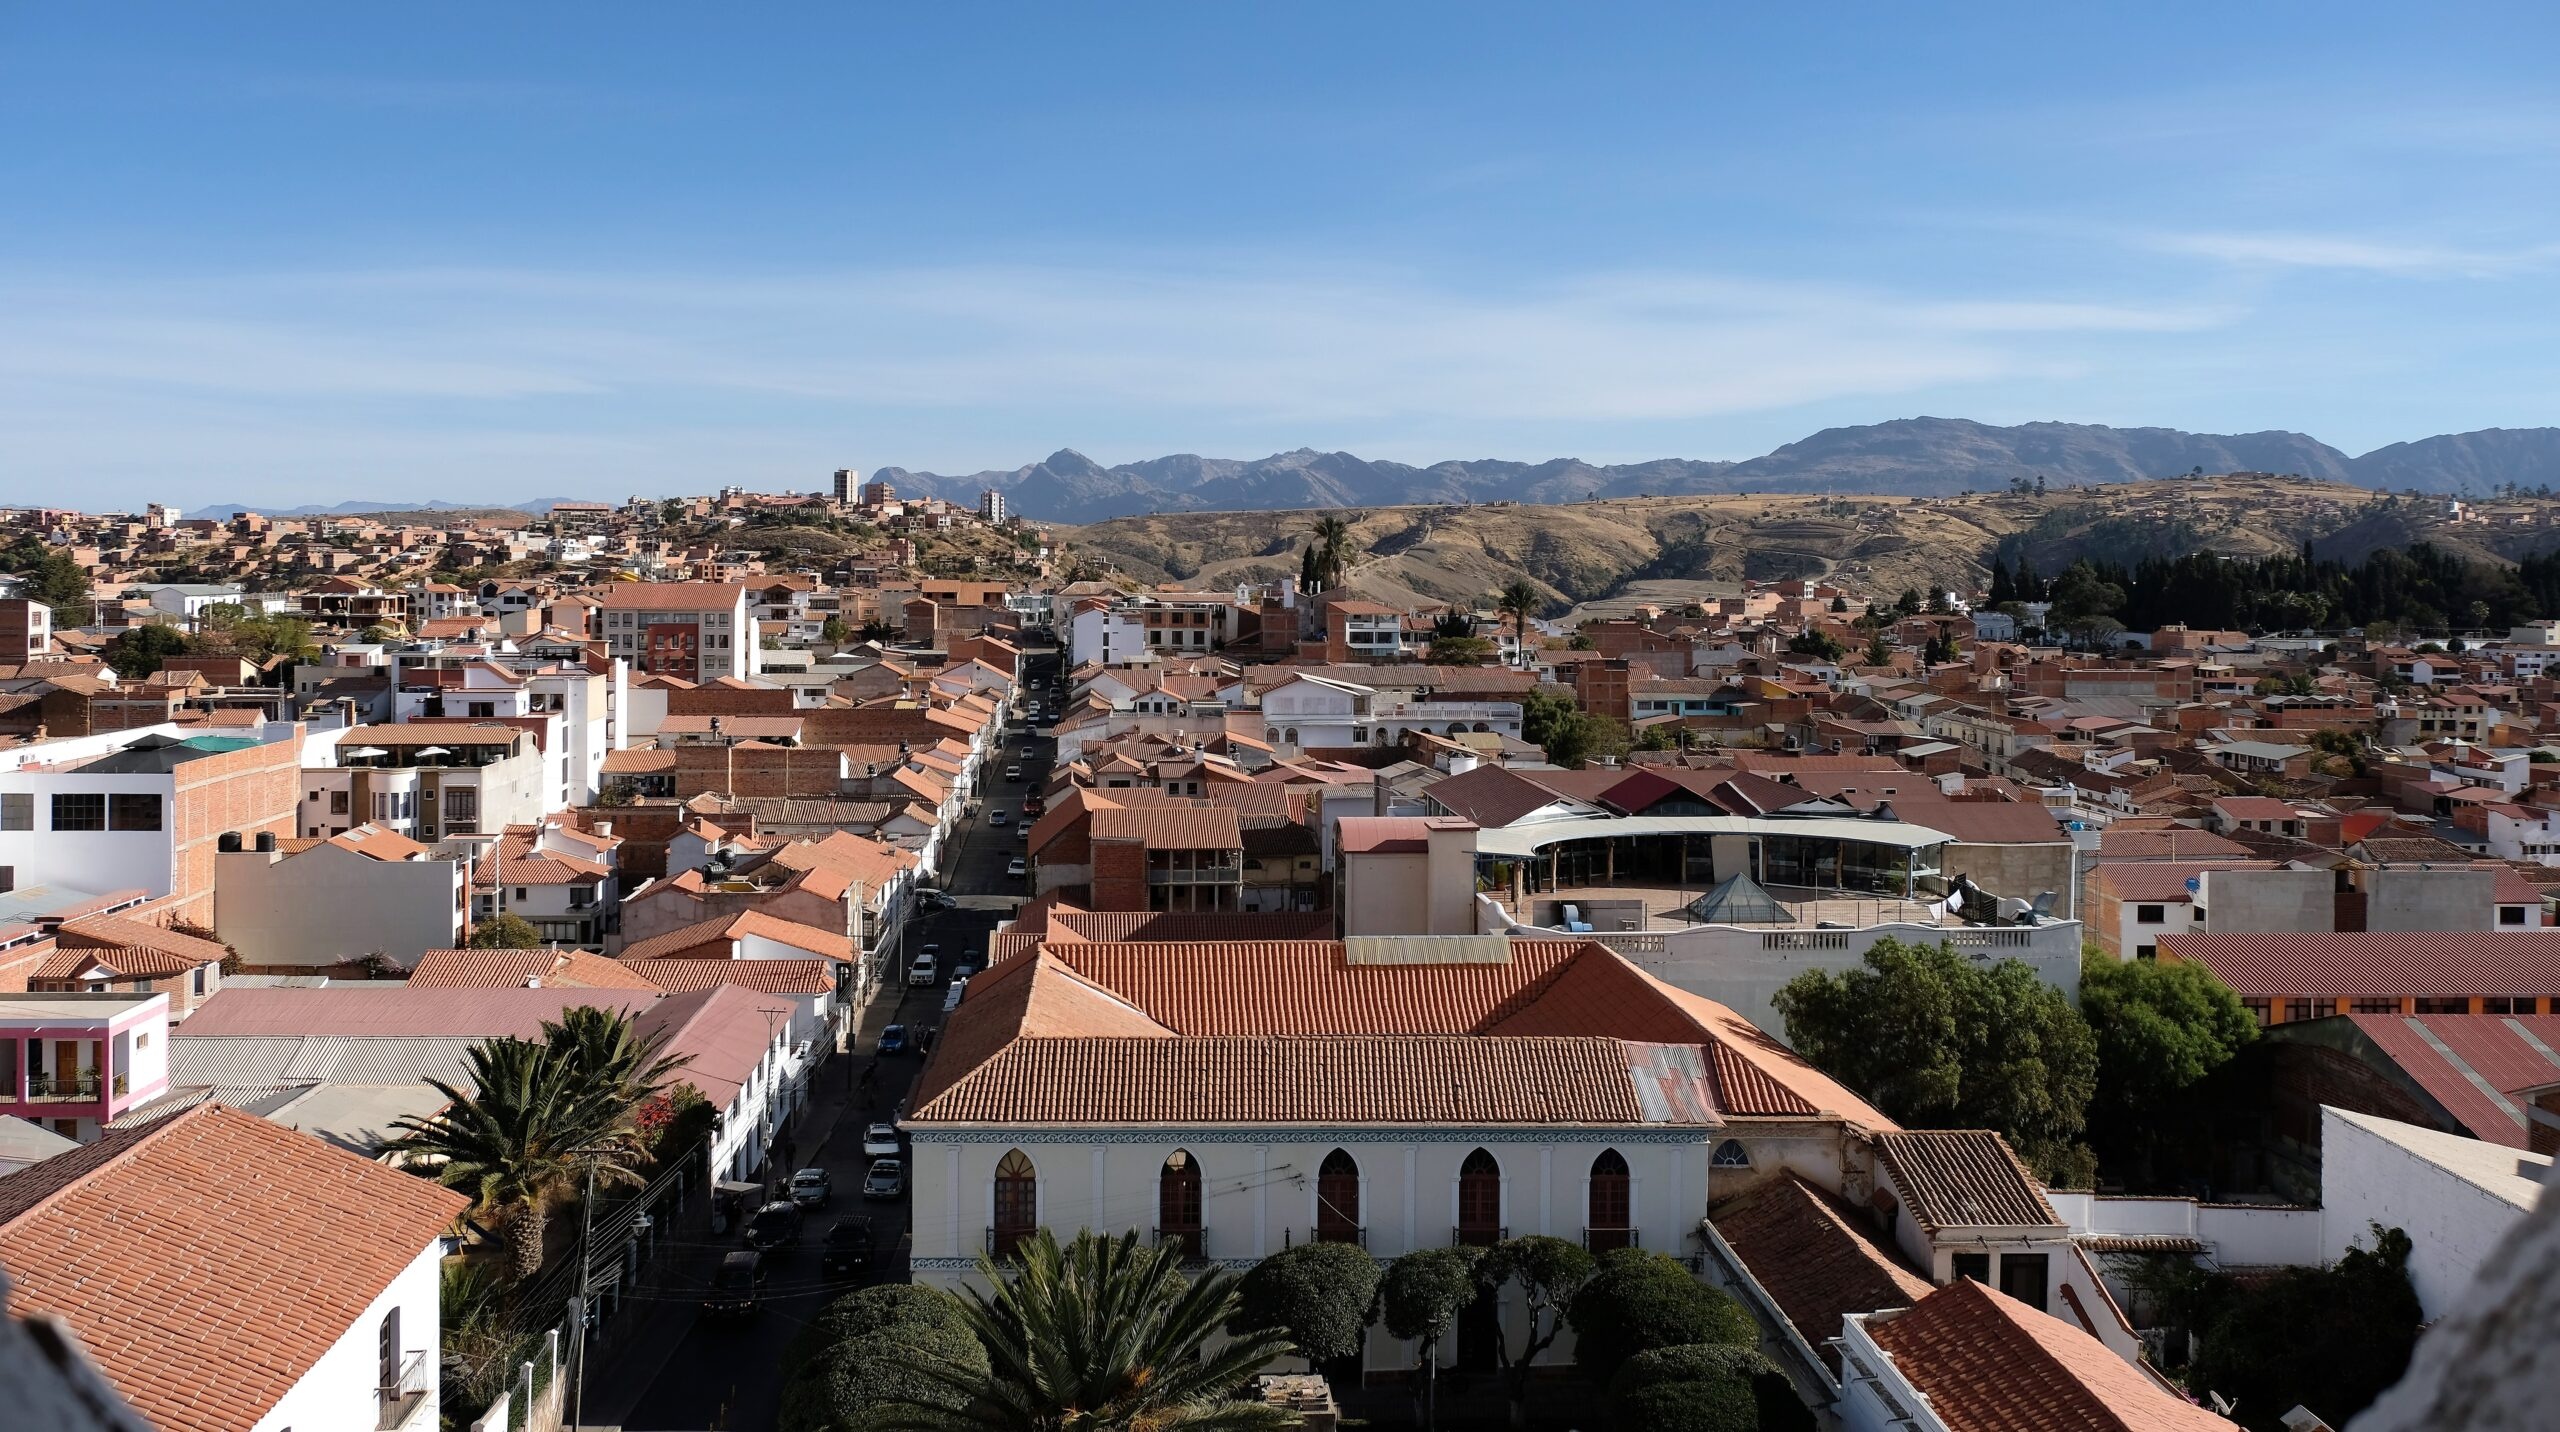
(2352, 964)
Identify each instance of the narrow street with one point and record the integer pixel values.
(685, 1373)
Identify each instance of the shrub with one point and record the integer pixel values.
(1640, 1301)
(1710, 1387)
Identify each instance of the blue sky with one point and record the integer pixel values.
(308, 253)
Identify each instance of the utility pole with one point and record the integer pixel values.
(586, 1309)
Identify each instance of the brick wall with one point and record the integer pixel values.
(251, 790)
(730, 701)
(1119, 875)
(757, 771)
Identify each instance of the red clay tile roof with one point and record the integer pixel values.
(718, 931)
(2357, 964)
(129, 962)
(509, 969)
(1171, 827)
(116, 932)
(1297, 990)
(207, 1260)
(1989, 1363)
(763, 976)
(2164, 881)
(2175, 843)
(1964, 1178)
(669, 596)
(1817, 1256)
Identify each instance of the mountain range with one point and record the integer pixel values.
(1908, 456)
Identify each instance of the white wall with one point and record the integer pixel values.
(1743, 968)
(2452, 1222)
(329, 904)
(339, 1390)
(94, 860)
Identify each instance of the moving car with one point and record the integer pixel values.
(1026, 753)
(923, 971)
(1013, 774)
(1016, 866)
(880, 1141)
(775, 1225)
(893, 1040)
(735, 1285)
(811, 1188)
(887, 1179)
(997, 816)
(848, 1249)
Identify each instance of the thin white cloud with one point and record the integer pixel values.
(2341, 252)
(1236, 341)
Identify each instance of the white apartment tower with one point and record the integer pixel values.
(991, 506)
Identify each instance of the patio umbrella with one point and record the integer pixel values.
(365, 751)
(433, 751)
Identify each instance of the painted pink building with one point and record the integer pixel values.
(75, 1062)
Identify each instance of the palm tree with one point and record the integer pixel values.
(604, 1047)
(1103, 1335)
(1518, 601)
(1332, 548)
(519, 1138)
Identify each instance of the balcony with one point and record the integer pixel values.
(1192, 1243)
(398, 1401)
(1327, 1233)
(75, 1087)
(1230, 873)
(1601, 1240)
(1476, 1236)
(1001, 1242)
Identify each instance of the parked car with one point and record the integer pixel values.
(931, 949)
(934, 901)
(1033, 808)
(1023, 833)
(1017, 867)
(1026, 753)
(880, 1141)
(735, 1285)
(997, 816)
(811, 1188)
(924, 970)
(887, 1179)
(964, 970)
(775, 1225)
(1013, 774)
(893, 1040)
(951, 1001)
(848, 1249)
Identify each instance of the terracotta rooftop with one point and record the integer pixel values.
(117, 932)
(183, 1252)
(710, 938)
(515, 969)
(669, 596)
(1817, 1256)
(2352, 964)
(1171, 827)
(762, 976)
(398, 1012)
(1989, 1363)
(1964, 1178)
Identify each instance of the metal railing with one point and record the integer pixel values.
(1193, 1243)
(1321, 1233)
(1001, 1242)
(1465, 1235)
(400, 1398)
(1601, 1240)
(62, 1086)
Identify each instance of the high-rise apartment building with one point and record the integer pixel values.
(848, 486)
(699, 631)
(991, 505)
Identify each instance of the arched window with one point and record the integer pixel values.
(1338, 1199)
(1609, 1222)
(1017, 1203)
(1290, 735)
(1178, 1205)
(1730, 1154)
(1479, 1201)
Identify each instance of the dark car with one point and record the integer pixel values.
(848, 1248)
(893, 1040)
(776, 1225)
(735, 1285)
(811, 1188)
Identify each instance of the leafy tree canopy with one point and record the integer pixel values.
(505, 932)
(1938, 1041)
(2330, 1339)
(2160, 1029)
(860, 1354)
(1711, 1387)
(1637, 1300)
(1320, 1294)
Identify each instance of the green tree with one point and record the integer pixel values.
(1102, 1335)
(834, 631)
(2160, 1028)
(1819, 644)
(1460, 650)
(1709, 1387)
(137, 652)
(1879, 650)
(1638, 1300)
(606, 1051)
(1420, 1297)
(1545, 711)
(1519, 601)
(1908, 604)
(1331, 546)
(1938, 1041)
(861, 1354)
(52, 577)
(2330, 1339)
(1322, 1295)
(505, 932)
(1545, 1273)
(519, 1138)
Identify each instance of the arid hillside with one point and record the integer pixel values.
(1669, 548)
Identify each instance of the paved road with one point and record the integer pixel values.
(725, 1374)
